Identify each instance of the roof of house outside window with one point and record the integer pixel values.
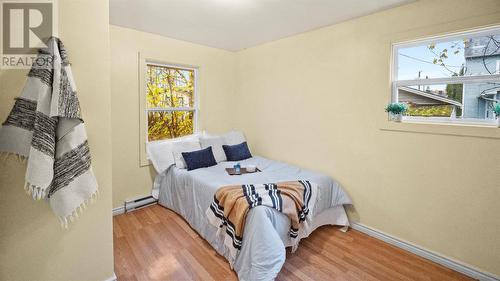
(418, 97)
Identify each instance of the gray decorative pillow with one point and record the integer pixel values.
(234, 137)
(216, 143)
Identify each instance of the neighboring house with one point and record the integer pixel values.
(482, 57)
(418, 98)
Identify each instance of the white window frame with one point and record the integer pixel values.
(437, 81)
(193, 109)
(166, 60)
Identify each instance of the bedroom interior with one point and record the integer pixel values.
(298, 91)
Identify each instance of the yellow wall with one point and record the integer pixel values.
(438, 191)
(32, 244)
(317, 100)
(216, 96)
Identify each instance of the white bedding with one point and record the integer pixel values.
(189, 193)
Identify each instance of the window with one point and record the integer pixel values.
(170, 101)
(452, 78)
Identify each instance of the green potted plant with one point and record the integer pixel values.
(496, 109)
(396, 111)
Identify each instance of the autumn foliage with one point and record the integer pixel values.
(170, 102)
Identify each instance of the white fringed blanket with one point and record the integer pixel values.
(45, 128)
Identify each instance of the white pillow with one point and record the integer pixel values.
(234, 137)
(216, 143)
(183, 146)
(160, 153)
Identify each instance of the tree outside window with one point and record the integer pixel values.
(170, 101)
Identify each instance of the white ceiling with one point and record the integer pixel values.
(238, 24)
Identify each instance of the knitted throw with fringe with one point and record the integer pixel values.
(45, 129)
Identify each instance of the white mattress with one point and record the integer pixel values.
(190, 193)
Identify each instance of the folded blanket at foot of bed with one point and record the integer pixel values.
(295, 199)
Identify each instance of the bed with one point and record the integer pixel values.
(190, 193)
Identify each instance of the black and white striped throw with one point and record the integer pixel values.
(45, 128)
(228, 211)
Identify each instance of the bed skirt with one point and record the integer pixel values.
(332, 216)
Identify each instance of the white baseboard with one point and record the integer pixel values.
(427, 254)
(112, 278)
(118, 211)
(138, 203)
(134, 204)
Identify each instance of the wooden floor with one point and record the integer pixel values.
(154, 243)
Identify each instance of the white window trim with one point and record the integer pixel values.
(395, 83)
(144, 60)
(195, 93)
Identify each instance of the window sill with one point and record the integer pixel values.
(486, 130)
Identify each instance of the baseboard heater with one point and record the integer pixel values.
(138, 203)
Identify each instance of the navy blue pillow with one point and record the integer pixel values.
(237, 152)
(199, 158)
